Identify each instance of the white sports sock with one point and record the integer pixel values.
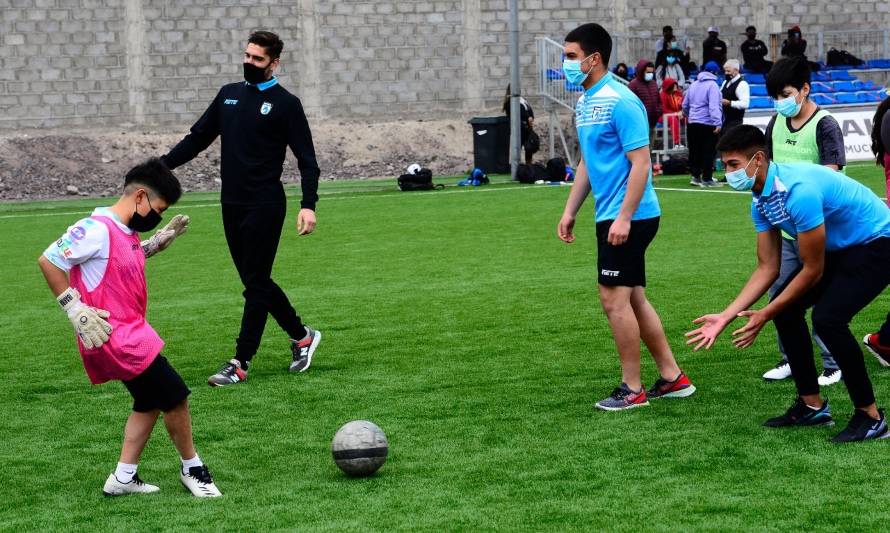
(125, 472)
(188, 463)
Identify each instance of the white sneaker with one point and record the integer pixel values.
(199, 482)
(780, 372)
(829, 377)
(113, 487)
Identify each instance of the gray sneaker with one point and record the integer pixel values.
(711, 183)
(302, 350)
(623, 398)
(696, 182)
(229, 374)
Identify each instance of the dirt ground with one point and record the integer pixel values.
(54, 164)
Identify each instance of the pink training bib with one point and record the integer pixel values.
(133, 344)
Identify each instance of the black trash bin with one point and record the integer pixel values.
(491, 144)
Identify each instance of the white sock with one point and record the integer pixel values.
(188, 463)
(125, 472)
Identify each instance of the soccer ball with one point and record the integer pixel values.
(359, 448)
(413, 168)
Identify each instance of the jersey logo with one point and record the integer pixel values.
(791, 142)
(230, 101)
(265, 108)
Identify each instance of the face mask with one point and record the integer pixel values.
(675, 45)
(649, 76)
(788, 107)
(254, 74)
(671, 60)
(572, 69)
(739, 179)
(729, 77)
(145, 223)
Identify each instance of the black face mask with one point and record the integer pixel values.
(729, 77)
(144, 223)
(254, 74)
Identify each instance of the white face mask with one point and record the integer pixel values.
(649, 76)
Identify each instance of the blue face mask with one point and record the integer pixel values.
(649, 76)
(671, 60)
(788, 107)
(572, 69)
(739, 179)
(675, 45)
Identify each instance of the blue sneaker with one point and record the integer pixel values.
(801, 414)
(863, 427)
(623, 398)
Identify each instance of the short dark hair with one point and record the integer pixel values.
(750, 28)
(592, 38)
(744, 138)
(667, 28)
(155, 175)
(269, 41)
(793, 71)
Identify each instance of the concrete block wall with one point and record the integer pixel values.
(79, 63)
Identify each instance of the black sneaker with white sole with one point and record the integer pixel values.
(199, 482)
(801, 414)
(302, 350)
(863, 427)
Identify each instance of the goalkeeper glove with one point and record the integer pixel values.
(89, 322)
(164, 236)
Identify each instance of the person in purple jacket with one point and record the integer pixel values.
(704, 112)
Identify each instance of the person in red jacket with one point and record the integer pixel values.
(644, 86)
(672, 102)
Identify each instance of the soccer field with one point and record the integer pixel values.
(460, 324)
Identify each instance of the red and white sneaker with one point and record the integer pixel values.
(679, 388)
(623, 398)
(302, 350)
(881, 352)
(229, 374)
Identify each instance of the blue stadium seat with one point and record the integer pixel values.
(865, 85)
(821, 76)
(755, 79)
(878, 63)
(846, 98)
(572, 88)
(870, 96)
(844, 86)
(758, 90)
(841, 75)
(822, 99)
(819, 87)
(555, 74)
(761, 102)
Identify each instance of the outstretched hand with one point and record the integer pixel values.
(747, 334)
(706, 334)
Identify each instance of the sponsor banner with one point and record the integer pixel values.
(855, 125)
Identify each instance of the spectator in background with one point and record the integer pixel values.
(670, 68)
(754, 52)
(673, 48)
(621, 71)
(644, 86)
(713, 49)
(878, 343)
(794, 45)
(526, 122)
(702, 107)
(800, 132)
(667, 35)
(672, 102)
(736, 95)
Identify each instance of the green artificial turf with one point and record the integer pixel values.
(460, 324)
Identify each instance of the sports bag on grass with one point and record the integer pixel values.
(422, 180)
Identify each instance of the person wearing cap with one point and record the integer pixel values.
(754, 52)
(794, 45)
(713, 49)
(736, 95)
(702, 107)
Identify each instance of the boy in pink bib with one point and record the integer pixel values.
(97, 272)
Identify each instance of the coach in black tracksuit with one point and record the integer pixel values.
(257, 120)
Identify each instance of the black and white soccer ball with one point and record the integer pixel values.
(360, 448)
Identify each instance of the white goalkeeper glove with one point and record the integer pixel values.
(164, 236)
(89, 322)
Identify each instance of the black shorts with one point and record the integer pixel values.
(157, 387)
(624, 265)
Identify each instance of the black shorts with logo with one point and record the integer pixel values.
(157, 387)
(624, 265)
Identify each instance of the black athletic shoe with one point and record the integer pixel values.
(863, 427)
(800, 414)
(302, 350)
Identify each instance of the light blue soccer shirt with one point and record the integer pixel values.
(798, 197)
(611, 121)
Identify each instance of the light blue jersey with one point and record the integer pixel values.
(612, 121)
(798, 197)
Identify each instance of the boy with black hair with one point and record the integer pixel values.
(616, 167)
(97, 273)
(800, 132)
(843, 231)
(258, 120)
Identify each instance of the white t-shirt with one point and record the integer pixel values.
(86, 243)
